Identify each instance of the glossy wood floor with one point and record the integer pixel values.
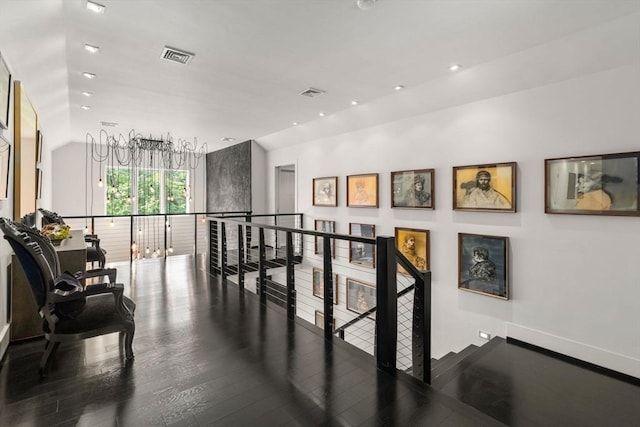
(208, 354)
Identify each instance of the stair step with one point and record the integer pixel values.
(452, 359)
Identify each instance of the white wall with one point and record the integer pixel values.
(69, 183)
(575, 280)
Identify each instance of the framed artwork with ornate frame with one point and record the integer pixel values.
(326, 227)
(362, 191)
(318, 284)
(325, 191)
(486, 188)
(605, 184)
(483, 265)
(361, 253)
(413, 243)
(5, 92)
(413, 189)
(361, 296)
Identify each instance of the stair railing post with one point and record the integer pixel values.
(223, 244)
(421, 331)
(240, 257)
(328, 287)
(291, 291)
(214, 253)
(386, 303)
(262, 268)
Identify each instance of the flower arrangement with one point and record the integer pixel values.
(57, 231)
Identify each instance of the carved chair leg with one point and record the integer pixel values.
(128, 341)
(49, 349)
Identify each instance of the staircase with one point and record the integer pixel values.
(450, 365)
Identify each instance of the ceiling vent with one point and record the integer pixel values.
(311, 92)
(109, 124)
(176, 55)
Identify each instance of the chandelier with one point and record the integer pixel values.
(133, 155)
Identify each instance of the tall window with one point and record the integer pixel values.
(152, 192)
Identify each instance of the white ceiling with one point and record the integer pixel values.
(253, 57)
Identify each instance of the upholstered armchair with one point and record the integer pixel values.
(70, 310)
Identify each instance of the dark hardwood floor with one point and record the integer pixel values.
(208, 354)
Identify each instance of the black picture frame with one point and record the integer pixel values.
(483, 265)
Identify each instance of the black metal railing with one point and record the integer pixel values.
(287, 268)
(160, 235)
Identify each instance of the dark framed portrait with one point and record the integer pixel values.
(325, 191)
(39, 142)
(361, 296)
(606, 184)
(488, 188)
(413, 243)
(360, 253)
(413, 189)
(5, 163)
(318, 284)
(5, 92)
(362, 191)
(483, 265)
(326, 227)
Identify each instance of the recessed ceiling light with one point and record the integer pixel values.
(354, 102)
(91, 48)
(95, 7)
(455, 67)
(321, 114)
(85, 107)
(87, 94)
(89, 75)
(295, 123)
(398, 87)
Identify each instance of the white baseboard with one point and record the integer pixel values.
(597, 356)
(5, 337)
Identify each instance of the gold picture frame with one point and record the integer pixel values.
(413, 243)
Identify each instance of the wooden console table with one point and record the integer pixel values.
(25, 321)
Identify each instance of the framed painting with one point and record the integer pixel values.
(25, 175)
(413, 243)
(325, 191)
(413, 189)
(5, 163)
(362, 191)
(326, 227)
(607, 184)
(318, 284)
(483, 265)
(489, 188)
(39, 142)
(320, 320)
(5, 92)
(361, 296)
(38, 183)
(361, 253)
